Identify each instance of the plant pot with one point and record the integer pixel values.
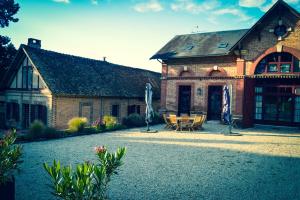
(7, 190)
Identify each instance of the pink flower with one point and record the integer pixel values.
(100, 149)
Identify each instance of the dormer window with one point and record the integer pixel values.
(278, 63)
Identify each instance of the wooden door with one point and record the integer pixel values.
(214, 109)
(184, 100)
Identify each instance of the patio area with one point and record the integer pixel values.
(263, 163)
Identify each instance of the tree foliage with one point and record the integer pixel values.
(8, 8)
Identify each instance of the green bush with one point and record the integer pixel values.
(52, 133)
(134, 120)
(36, 130)
(115, 127)
(109, 121)
(77, 124)
(91, 130)
(157, 119)
(88, 180)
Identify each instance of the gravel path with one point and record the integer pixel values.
(263, 163)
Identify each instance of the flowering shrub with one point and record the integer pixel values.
(109, 121)
(9, 156)
(89, 180)
(77, 124)
(99, 125)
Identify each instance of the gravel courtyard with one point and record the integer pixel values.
(263, 163)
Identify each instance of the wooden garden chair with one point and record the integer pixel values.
(167, 121)
(173, 122)
(198, 122)
(185, 122)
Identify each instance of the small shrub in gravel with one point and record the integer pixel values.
(88, 180)
(134, 120)
(36, 130)
(77, 124)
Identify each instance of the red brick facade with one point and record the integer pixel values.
(235, 70)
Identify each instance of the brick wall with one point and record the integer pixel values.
(199, 102)
(66, 108)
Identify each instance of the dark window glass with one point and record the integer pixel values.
(115, 110)
(272, 68)
(131, 109)
(285, 68)
(296, 65)
(12, 111)
(286, 57)
(26, 115)
(270, 108)
(42, 113)
(260, 68)
(271, 89)
(29, 83)
(24, 77)
(285, 90)
(134, 109)
(274, 57)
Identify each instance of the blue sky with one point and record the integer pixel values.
(127, 32)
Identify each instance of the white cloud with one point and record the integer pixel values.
(251, 3)
(62, 1)
(292, 1)
(150, 6)
(94, 2)
(233, 11)
(191, 6)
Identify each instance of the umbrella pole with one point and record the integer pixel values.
(148, 128)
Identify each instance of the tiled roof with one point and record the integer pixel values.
(200, 44)
(73, 75)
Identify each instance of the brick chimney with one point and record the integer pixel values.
(35, 43)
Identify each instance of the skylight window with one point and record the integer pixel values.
(223, 45)
(188, 47)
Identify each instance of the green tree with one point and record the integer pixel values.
(8, 8)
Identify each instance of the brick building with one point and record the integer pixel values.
(55, 87)
(260, 64)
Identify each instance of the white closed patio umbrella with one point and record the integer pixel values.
(149, 109)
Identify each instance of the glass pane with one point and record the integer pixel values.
(258, 89)
(29, 77)
(285, 68)
(270, 108)
(24, 77)
(260, 68)
(285, 90)
(285, 109)
(286, 57)
(296, 65)
(272, 57)
(272, 68)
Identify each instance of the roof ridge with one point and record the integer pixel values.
(243, 29)
(88, 59)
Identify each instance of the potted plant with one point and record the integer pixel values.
(9, 159)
